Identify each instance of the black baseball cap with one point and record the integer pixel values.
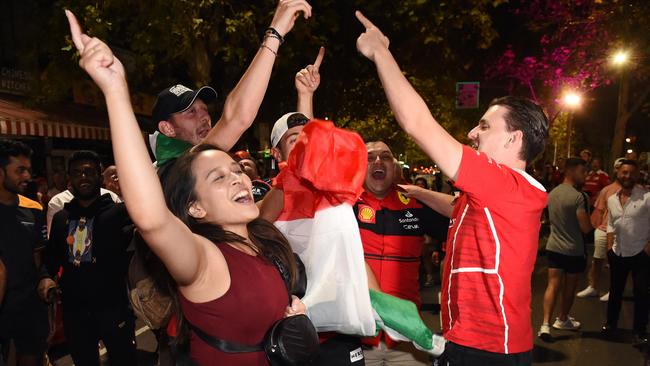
(178, 98)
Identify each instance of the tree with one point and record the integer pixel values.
(212, 41)
(576, 39)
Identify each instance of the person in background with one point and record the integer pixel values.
(421, 182)
(565, 248)
(59, 184)
(23, 314)
(89, 239)
(57, 202)
(599, 222)
(558, 173)
(628, 243)
(595, 181)
(110, 180)
(248, 165)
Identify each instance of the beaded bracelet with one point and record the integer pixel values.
(268, 48)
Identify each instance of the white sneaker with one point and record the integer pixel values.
(588, 292)
(568, 324)
(605, 298)
(544, 332)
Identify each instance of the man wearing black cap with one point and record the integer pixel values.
(181, 114)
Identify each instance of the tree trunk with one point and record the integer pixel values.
(200, 65)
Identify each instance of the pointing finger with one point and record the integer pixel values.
(319, 58)
(366, 23)
(75, 31)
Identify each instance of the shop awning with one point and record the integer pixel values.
(20, 120)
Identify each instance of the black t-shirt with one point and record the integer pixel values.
(23, 233)
(90, 243)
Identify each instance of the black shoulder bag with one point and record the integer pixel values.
(290, 341)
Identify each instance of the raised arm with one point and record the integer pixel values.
(442, 203)
(409, 108)
(307, 81)
(245, 99)
(141, 188)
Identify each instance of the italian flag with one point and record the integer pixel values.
(321, 182)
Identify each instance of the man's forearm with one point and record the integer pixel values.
(306, 104)
(439, 202)
(414, 116)
(245, 99)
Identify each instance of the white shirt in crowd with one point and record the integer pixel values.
(630, 223)
(56, 203)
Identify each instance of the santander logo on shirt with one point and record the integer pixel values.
(410, 221)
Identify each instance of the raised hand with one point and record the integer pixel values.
(96, 58)
(410, 190)
(308, 79)
(286, 14)
(372, 40)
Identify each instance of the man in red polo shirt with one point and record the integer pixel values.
(495, 222)
(392, 228)
(595, 181)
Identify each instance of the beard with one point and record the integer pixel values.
(12, 187)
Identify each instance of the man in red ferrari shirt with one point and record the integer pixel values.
(595, 181)
(493, 234)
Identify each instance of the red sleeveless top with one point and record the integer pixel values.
(256, 299)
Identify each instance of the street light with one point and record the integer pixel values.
(571, 100)
(620, 58)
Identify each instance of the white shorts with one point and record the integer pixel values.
(600, 244)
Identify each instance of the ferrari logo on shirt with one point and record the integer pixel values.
(405, 200)
(366, 214)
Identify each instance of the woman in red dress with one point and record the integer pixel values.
(202, 221)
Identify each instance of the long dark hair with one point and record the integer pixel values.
(178, 181)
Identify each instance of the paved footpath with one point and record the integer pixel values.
(586, 347)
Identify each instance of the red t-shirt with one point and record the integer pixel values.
(491, 253)
(594, 182)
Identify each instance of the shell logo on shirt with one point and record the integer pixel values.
(405, 200)
(366, 214)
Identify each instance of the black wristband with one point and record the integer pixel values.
(274, 33)
(271, 35)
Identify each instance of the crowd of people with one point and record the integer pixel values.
(587, 207)
(200, 221)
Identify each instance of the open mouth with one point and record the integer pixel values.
(243, 197)
(378, 174)
(204, 133)
(84, 185)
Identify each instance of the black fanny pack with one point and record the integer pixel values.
(290, 341)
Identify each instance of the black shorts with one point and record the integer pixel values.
(567, 263)
(341, 350)
(28, 326)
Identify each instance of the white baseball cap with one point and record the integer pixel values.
(284, 123)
